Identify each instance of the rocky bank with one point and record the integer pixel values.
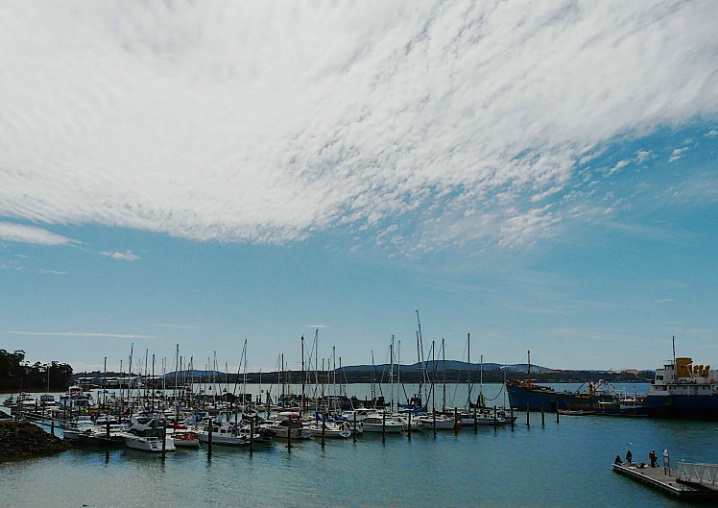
(22, 439)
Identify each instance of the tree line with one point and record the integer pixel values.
(18, 374)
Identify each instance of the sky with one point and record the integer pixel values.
(534, 176)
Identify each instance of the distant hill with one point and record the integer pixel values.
(452, 371)
(447, 365)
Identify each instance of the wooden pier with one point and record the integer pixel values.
(676, 483)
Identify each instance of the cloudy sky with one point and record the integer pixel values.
(540, 175)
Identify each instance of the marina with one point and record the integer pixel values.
(488, 466)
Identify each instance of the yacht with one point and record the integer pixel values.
(145, 433)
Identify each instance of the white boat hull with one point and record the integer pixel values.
(149, 444)
(427, 422)
(226, 440)
(388, 426)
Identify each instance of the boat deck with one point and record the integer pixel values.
(667, 482)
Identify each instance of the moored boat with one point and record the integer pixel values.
(436, 421)
(288, 423)
(682, 389)
(329, 427)
(486, 416)
(75, 399)
(526, 395)
(146, 434)
(380, 423)
(185, 438)
(224, 433)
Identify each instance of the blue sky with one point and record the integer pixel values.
(541, 176)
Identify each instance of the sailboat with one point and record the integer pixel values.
(323, 426)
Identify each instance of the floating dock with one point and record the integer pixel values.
(683, 483)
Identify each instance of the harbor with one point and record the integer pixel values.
(388, 434)
(545, 464)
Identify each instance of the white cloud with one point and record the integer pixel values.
(619, 166)
(260, 122)
(53, 272)
(677, 153)
(30, 234)
(121, 256)
(643, 155)
(535, 223)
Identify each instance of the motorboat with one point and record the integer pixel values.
(359, 414)
(383, 423)
(75, 399)
(436, 420)
(224, 433)
(185, 438)
(107, 434)
(485, 416)
(330, 428)
(146, 433)
(286, 424)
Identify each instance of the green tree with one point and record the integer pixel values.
(15, 372)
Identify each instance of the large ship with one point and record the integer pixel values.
(526, 395)
(682, 389)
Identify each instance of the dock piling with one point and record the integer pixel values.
(528, 416)
(383, 426)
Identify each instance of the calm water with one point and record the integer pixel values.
(565, 464)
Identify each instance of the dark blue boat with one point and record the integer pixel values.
(525, 395)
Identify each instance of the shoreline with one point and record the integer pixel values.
(23, 440)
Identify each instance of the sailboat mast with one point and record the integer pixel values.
(528, 369)
(373, 379)
(334, 377)
(129, 375)
(177, 368)
(468, 359)
(398, 363)
(422, 365)
(281, 359)
(481, 383)
(244, 376)
(443, 366)
(122, 396)
(391, 373)
(433, 364)
(304, 405)
(104, 384)
(420, 353)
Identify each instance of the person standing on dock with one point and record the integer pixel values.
(652, 457)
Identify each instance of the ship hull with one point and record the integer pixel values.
(543, 399)
(688, 407)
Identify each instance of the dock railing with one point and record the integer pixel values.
(702, 474)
